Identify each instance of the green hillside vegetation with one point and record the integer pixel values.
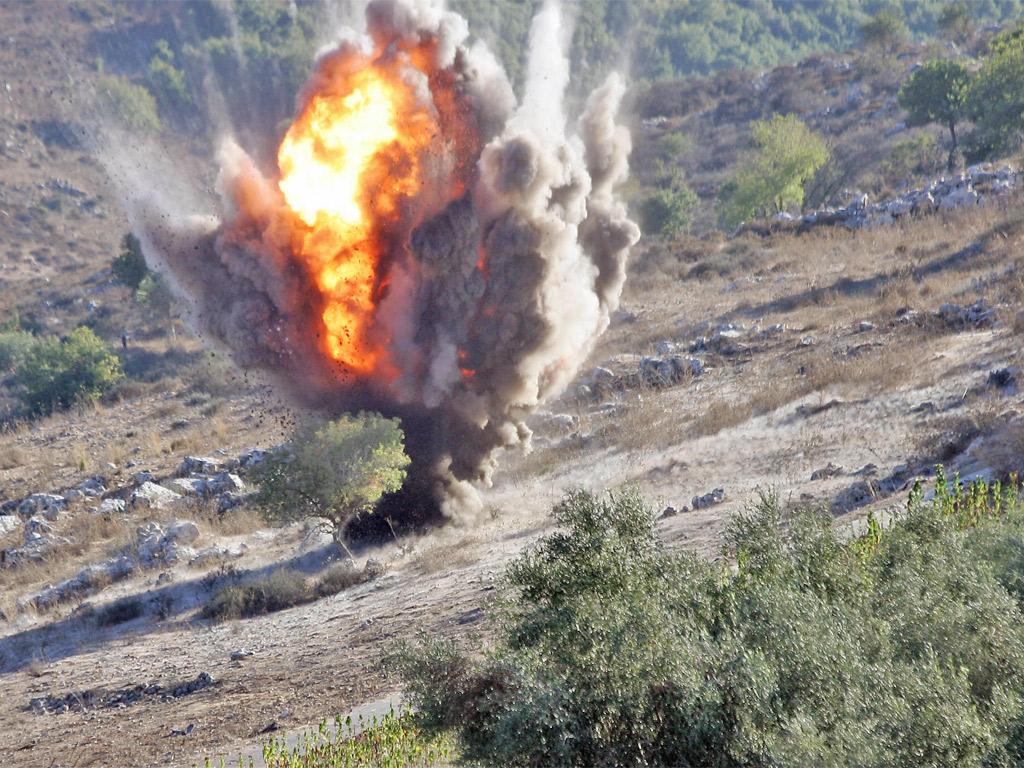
(904, 647)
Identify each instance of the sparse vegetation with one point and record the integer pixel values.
(903, 647)
(394, 741)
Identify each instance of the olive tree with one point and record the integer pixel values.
(936, 93)
(338, 470)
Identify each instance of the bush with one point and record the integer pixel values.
(668, 211)
(57, 373)
(885, 30)
(904, 647)
(14, 347)
(129, 266)
(281, 589)
(131, 104)
(338, 470)
(772, 176)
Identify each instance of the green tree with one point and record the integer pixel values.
(936, 93)
(129, 266)
(156, 299)
(772, 176)
(338, 470)
(885, 30)
(954, 21)
(14, 347)
(57, 373)
(995, 100)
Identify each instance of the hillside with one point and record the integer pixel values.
(835, 365)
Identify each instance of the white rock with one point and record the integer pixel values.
(8, 523)
(149, 495)
(182, 532)
(188, 486)
(224, 482)
(111, 507)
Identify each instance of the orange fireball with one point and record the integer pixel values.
(351, 157)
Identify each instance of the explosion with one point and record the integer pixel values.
(426, 246)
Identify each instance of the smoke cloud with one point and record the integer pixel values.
(489, 278)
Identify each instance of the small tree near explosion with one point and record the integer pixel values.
(338, 470)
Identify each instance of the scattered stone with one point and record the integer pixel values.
(807, 341)
(252, 458)
(90, 579)
(183, 731)
(228, 501)
(188, 486)
(49, 505)
(864, 326)
(1003, 378)
(241, 653)
(662, 372)
(145, 476)
(374, 569)
(159, 547)
(104, 698)
(710, 499)
(977, 315)
(829, 470)
(668, 512)
(868, 470)
(224, 482)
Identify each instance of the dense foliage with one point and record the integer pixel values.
(904, 647)
(935, 93)
(995, 100)
(129, 266)
(771, 177)
(56, 373)
(337, 470)
(662, 39)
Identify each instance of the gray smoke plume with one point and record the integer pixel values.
(498, 277)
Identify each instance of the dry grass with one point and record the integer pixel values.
(447, 551)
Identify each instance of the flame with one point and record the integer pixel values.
(347, 162)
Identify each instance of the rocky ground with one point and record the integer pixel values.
(832, 368)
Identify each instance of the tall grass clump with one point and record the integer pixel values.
(904, 647)
(394, 741)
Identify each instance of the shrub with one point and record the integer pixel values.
(340, 577)
(57, 373)
(14, 347)
(394, 741)
(902, 647)
(919, 156)
(282, 589)
(772, 176)
(166, 81)
(129, 266)
(338, 470)
(668, 211)
(131, 104)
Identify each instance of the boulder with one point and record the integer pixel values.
(182, 532)
(188, 486)
(710, 499)
(9, 523)
(111, 507)
(829, 470)
(252, 458)
(199, 465)
(49, 505)
(224, 482)
(959, 197)
(145, 476)
(149, 495)
(227, 502)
